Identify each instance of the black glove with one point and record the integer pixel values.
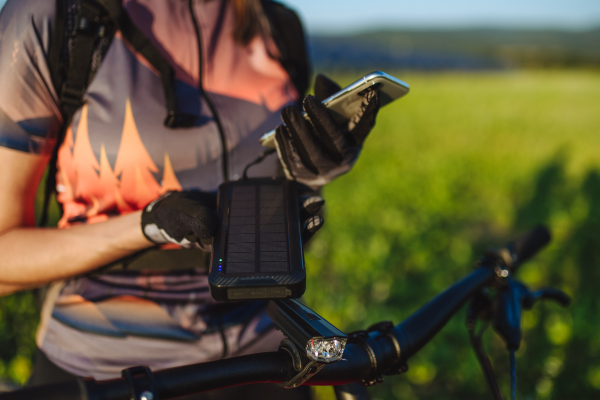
(309, 207)
(185, 218)
(316, 151)
(189, 218)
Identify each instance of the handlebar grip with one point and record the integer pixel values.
(527, 245)
(70, 390)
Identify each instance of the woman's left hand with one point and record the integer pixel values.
(317, 150)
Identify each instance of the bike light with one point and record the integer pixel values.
(323, 342)
(326, 350)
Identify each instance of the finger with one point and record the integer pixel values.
(173, 222)
(285, 151)
(311, 226)
(311, 205)
(331, 136)
(308, 149)
(182, 216)
(361, 124)
(206, 199)
(205, 226)
(202, 220)
(325, 87)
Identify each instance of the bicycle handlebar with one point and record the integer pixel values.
(275, 367)
(418, 329)
(527, 245)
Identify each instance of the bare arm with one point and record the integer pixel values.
(35, 256)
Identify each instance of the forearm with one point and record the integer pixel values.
(35, 256)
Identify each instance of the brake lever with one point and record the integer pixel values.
(547, 294)
(505, 309)
(512, 299)
(507, 318)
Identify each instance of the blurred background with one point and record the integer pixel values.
(500, 131)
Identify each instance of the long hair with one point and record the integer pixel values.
(249, 20)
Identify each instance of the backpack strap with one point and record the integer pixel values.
(82, 33)
(82, 30)
(144, 46)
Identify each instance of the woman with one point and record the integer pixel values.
(120, 295)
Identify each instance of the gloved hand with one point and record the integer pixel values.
(185, 218)
(189, 218)
(309, 207)
(316, 151)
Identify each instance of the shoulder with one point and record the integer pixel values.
(24, 20)
(24, 12)
(25, 35)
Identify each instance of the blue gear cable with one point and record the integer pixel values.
(513, 375)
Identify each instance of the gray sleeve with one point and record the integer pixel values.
(30, 117)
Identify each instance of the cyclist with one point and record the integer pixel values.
(149, 303)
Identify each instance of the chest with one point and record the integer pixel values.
(118, 155)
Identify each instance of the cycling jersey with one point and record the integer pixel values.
(117, 156)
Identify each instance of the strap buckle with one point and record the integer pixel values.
(71, 95)
(90, 27)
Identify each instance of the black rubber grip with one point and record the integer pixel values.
(527, 245)
(71, 390)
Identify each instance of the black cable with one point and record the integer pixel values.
(258, 160)
(223, 336)
(513, 375)
(484, 362)
(205, 96)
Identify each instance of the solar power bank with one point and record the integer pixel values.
(257, 251)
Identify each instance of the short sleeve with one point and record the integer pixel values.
(30, 118)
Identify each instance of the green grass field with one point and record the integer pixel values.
(465, 161)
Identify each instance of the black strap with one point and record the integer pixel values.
(72, 81)
(144, 46)
(97, 19)
(54, 53)
(89, 28)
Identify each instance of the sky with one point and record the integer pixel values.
(345, 16)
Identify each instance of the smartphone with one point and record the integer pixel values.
(346, 103)
(257, 251)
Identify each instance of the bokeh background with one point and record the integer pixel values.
(500, 131)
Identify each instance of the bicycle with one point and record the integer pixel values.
(382, 349)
